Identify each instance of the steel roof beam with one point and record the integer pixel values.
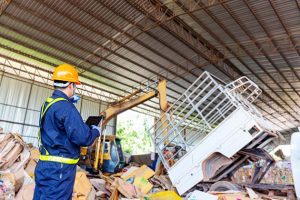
(86, 84)
(137, 41)
(219, 40)
(72, 62)
(289, 37)
(183, 34)
(151, 35)
(235, 18)
(215, 36)
(105, 57)
(119, 44)
(281, 54)
(3, 5)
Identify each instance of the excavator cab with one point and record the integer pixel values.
(113, 159)
(106, 152)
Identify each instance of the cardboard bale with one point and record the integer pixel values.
(11, 146)
(142, 171)
(31, 167)
(19, 179)
(8, 176)
(34, 154)
(82, 186)
(21, 163)
(140, 177)
(7, 188)
(27, 179)
(127, 189)
(128, 173)
(280, 173)
(114, 193)
(92, 194)
(162, 181)
(4, 152)
(26, 192)
(4, 140)
(143, 184)
(231, 195)
(99, 184)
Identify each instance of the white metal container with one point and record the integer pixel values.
(211, 121)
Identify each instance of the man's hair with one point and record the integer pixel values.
(61, 82)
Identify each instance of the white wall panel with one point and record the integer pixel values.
(14, 92)
(32, 117)
(103, 106)
(31, 140)
(11, 127)
(30, 134)
(10, 113)
(38, 96)
(89, 108)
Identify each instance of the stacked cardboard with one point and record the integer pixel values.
(134, 183)
(26, 192)
(280, 173)
(82, 187)
(33, 159)
(14, 155)
(139, 177)
(18, 162)
(11, 146)
(15, 162)
(7, 186)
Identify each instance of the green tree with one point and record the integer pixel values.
(133, 134)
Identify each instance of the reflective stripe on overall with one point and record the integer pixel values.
(48, 157)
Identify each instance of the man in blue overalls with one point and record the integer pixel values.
(62, 133)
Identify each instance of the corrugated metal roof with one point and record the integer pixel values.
(123, 43)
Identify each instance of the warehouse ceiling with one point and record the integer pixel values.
(124, 44)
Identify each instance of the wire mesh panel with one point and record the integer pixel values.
(200, 109)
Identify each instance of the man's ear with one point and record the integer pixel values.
(70, 86)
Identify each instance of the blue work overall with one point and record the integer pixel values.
(62, 133)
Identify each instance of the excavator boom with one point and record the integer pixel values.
(127, 103)
(118, 108)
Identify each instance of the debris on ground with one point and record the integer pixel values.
(280, 173)
(14, 157)
(136, 180)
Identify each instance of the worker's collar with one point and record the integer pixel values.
(58, 93)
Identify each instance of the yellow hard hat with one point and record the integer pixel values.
(65, 72)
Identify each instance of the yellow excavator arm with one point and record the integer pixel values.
(127, 103)
(124, 105)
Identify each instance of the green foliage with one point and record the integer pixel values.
(133, 133)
